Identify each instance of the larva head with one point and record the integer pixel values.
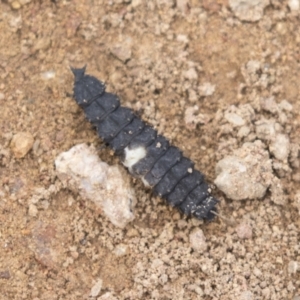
(86, 87)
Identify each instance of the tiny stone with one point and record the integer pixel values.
(21, 144)
(280, 147)
(269, 104)
(244, 231)
(243, 131)
(96, 288)
(293, 267)
(23, 2)
(182, 5)
(192, 117)
(285, 105)
(48, 75)
(207, 89)
(120, 250)
(15, 5)
(182, 38)
(248, 10)
(191, 74)
(198, 241)
(122, 52)
(246, 295)
(33, 211)
(2, 96)
(294, 5)
(234, 119)
(136, 3)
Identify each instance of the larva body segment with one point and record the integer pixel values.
(145, 153)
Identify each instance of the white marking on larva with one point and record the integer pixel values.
(190, 170)
(132, 156)
(158, 145)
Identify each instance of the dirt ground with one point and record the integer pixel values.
(182, 65)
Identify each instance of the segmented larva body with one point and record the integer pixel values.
(145, 153)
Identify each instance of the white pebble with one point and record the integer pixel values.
(285, 105)
(198, 241)
(182, 38)
(192, 117)
(191, 74)
(96, 289)
(269, 104)
(234, 119)
(48, 75)
(280, 146)
(120, 250)
(244, 231)
(266, 129)
(122, 51)
(293, 267)
(248, 10)
(207, 89)
(32, 211)
(136, 3)
(108, 187)
(244, 131)
(246, 295)
(239, 175)
(294, 5)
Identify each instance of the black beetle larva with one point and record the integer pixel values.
(145, 153)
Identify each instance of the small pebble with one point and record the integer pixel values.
(21, 143)
(120, 250)
(293, 267)
(198, 241)
(234, 119)
(15, 5)
(191, 74)
(244, 231)
(294, 5)
(96, 289)
(48, 75)
(207, 89)
(122, 52)
(246, 295)
(32, 211)
(285, 105)
(280, 146)
(248, 10)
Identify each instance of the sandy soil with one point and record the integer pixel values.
(163, 58)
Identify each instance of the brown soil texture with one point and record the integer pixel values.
(164, 59)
